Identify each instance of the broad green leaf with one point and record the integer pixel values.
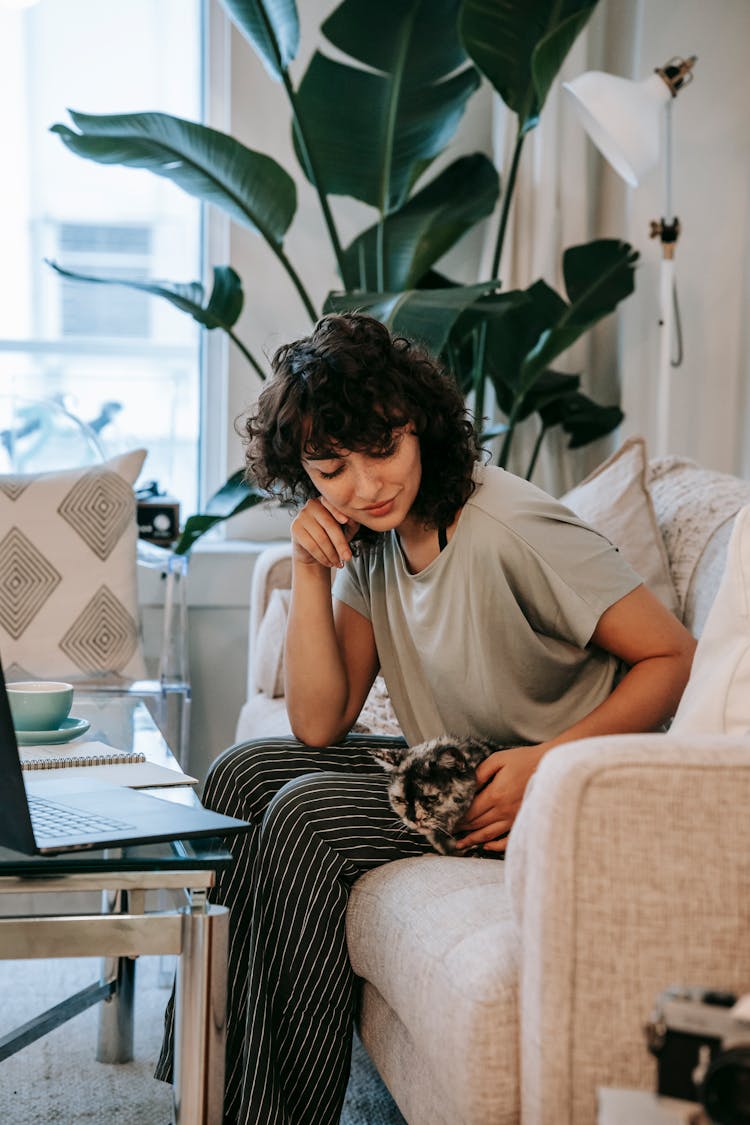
(252, 188)
(598, 276)
(488, 313)
(234, 496)
(271, 27)
(582, 418)
(426, 315)
(514, 323)
(550, 387)
(426, 227)
(550, 53)
(520, 46)
(421, 38)
(222, 309)
(374, 131)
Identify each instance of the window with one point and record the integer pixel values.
(114, 356)
(117, 251)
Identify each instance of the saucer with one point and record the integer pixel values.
(68, 730)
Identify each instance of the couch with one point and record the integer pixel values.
(497, 992)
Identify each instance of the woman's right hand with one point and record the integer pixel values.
(321, 535)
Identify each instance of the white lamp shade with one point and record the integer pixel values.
(623, 119)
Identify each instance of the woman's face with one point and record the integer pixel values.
(377, 491)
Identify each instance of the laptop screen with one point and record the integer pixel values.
(15, 821)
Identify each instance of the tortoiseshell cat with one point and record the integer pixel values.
(432, 785)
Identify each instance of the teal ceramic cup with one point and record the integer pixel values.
(39, 704)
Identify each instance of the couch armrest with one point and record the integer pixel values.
(273, 569)
(629, 869)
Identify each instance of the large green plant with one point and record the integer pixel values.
(370, 127)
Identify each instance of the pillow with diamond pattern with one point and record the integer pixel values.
(68, 594)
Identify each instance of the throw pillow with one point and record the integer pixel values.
(615, 500)
(717, 697)
(693, 506)
(68, 594)
(268, 658)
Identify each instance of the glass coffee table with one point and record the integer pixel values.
(130, 886)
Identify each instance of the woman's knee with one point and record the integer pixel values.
(297, 804)
(245, 776)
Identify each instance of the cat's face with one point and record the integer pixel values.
(427, 802)
(430, 787)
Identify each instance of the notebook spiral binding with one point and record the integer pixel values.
(119, 758)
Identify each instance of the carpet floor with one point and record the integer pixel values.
(57, 1079)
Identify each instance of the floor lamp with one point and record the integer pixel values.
(629, 122)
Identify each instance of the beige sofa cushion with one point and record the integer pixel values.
(615, 500)
(434, 936)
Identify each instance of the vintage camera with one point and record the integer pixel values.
(701, 1040)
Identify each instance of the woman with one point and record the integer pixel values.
(489, 608)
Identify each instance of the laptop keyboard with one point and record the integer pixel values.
(50, 819)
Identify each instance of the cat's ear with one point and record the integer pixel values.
(389, 757)
(454, 759)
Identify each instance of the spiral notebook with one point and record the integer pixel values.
(98, 760)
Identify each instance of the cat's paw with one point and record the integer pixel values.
(442, 842)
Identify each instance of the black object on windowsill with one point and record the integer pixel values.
(158, 514)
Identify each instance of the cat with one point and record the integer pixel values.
(432, 785)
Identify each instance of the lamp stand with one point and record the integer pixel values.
(668, 233)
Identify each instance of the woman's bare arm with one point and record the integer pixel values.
(330, 659)
(659, 652)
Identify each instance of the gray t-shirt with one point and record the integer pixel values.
(491, 638)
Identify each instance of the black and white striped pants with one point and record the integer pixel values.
(320, 819)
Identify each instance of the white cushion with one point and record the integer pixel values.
(717, 697)
(615, 500)
(268, 657)
(68, 596)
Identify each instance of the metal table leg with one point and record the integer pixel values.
(116, 1017)
(200, 1014)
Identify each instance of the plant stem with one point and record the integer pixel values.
(247, 354)
(510, 184)
(311, 166)
(380, 256)
(479, 348)
(504, 454)
(296, 281)
(535, 452)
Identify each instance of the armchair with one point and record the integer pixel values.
(497, 992)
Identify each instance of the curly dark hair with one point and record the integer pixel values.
(350, 385)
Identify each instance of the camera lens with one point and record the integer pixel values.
(725, 1093)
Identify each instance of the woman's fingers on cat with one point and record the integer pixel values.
(484, 835)
(496, 845)
(487, 769)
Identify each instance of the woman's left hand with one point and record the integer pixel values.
(502, 779)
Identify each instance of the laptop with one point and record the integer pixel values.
(46, 816)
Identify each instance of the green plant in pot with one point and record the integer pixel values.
(371, 126)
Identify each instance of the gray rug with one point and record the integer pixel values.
(58, 1080)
